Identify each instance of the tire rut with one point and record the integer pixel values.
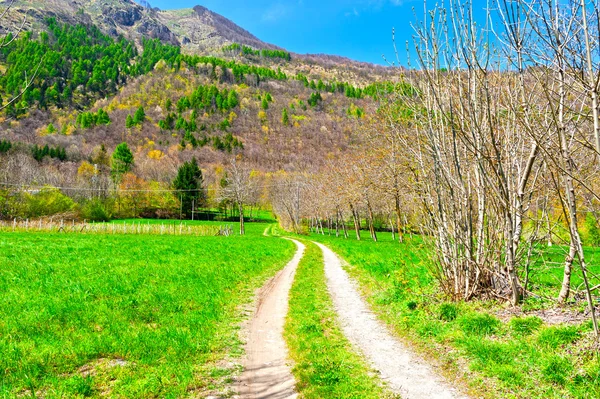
(266, 370)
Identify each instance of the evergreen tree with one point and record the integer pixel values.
(5, 146)
(232, 99)
(189, 184)
(139, 116)
(122, 161)
(102, 117)
(314, 99)
(285, 119)
(129, 122)
(265, 104)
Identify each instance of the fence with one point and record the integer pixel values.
(72, 226)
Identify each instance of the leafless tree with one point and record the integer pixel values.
(239, 187)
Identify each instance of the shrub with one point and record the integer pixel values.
(49, 201)
(96, 210)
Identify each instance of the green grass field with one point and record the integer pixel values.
(129, 316)
(520, 358)
(326, 365)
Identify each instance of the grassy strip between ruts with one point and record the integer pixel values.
(325, 364)
(125, 316)
(518, 358)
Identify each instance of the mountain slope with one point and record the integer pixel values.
(198, 29)
(201, 30)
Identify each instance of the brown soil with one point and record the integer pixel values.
(266, 366)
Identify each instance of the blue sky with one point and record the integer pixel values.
(358, 29)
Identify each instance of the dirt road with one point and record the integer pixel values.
(405, 373)
(266, 372)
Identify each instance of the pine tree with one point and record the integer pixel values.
(285, 119)
(139, 116)
(189, 184)
(122, 161)
(102, 117)
(265, 104)
(129, 123)
(232, 99)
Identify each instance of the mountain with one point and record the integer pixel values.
(173, 85)
(197, 29)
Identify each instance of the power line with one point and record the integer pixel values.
(27, 187)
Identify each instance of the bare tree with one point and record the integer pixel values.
(239, 187)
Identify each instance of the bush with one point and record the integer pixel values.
(479, 324)
(525, 325)
(49, 201)
(96, 210)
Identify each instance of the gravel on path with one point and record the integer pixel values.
(405, 373)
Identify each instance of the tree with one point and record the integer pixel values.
(189, 185)
(122, 161)
(265, 104)
(232, 99)
(285, 118)
(129, 122)
(238, 187)
(139, 116)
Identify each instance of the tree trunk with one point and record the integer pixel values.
(565, 289)
(356, 218)
(242, 227)
(371, 222)
(343, 225)
(398, 218)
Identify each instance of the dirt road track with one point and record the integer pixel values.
(405, 373)
(266, 372)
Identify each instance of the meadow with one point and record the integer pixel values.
(495, 354)
(130, 316)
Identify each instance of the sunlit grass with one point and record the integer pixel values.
(517, 358)
(125, 316)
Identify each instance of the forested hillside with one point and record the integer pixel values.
(72, 93)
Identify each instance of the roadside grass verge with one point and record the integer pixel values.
(519, 357)
(326, 365)
(126, 316)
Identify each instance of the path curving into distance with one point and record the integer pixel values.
(405, 373)
(266, 372)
